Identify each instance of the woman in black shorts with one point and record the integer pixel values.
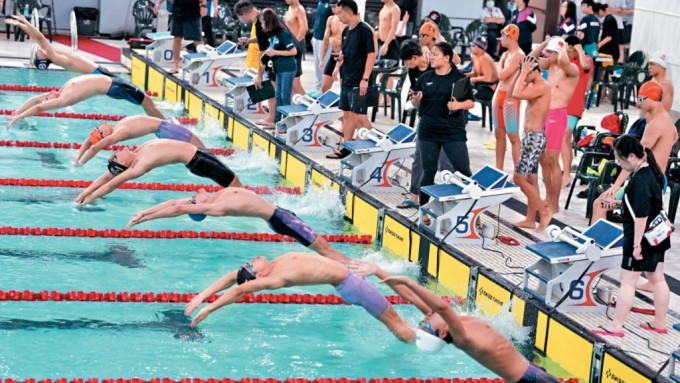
(643, 196)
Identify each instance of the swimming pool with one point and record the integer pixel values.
(91, 339)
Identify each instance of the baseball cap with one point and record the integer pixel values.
(555, 45)
(659, 58)
(480, 41)
(428, 29)
(512, 31)
(651, 90)
(434, 16)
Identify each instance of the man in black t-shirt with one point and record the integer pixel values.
(186, 24)
(609, 38)
(407, 19)
(355, 65)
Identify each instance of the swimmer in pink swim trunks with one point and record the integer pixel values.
(563, 78)
(131, 127)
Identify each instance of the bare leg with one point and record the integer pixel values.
(599, 212)
(321, 246)
(362, 121)
(552, 177)
(348, 125)
(297, 86)
(624, 299)
(567, 157)
(195, 141)
(150, 108)
(662, 296)
(515, 146)
(525, 185)
(647, 285)
(176, 47)
(236, 183)
(326, 83)
(500, 147)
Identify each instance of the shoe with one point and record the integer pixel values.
(647, 326)
(344, 152)
(582, 194)
(474, 117)
(616, 217)
(407, 204)
(605, 332)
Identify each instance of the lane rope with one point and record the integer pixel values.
(270, 380)
(97, 116)
(33, 182)
(76, 145)
(170, 234)
(37, 88)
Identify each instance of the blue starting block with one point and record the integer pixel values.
(303, 120)
(237, 100)
(201, 68)
(455, 206)
(160, 50)
(564, 258)
(374, 153)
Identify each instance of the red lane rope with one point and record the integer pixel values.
(271, 380)
(31, 182)
(36, 88)
(170, 234)
(97, 116)
(76, 145)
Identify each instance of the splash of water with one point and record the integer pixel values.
(392, 265)
(318, 203)
(243, 161)
(170, 106)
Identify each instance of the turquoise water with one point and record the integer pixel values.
(80, 339)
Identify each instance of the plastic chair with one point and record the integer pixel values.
(612, 77)
(44, 17)
(142, 11)
(607, 177)
(383, 67)
(587, 160)
(674, 186)
(395, 93)
(486, 109)
(372, 19)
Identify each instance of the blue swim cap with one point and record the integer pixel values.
(196, 217)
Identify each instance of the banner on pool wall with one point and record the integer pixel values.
(138, 72)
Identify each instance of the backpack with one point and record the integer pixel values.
(638, 128)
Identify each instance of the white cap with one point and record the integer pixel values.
(659, 58)
(555, 45)
(428, 342)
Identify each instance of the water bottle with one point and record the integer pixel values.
(26, 11)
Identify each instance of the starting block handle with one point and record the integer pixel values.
(569, 236)
(300, 99)
(471, 187)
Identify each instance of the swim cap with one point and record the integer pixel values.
(659, 58)
(555, 45)
(512, 31)
(428, 342)
(428, 29)
(243, 276)
(196, 217)
(434, 16)
(480, 42)
(96, 135)
(116, 168)
(534, 64)
(41, 64)
(651, 90)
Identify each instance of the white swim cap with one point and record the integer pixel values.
(428, 342)
(555, 45)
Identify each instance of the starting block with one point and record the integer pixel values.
(374, 153)
(160, 49)
(201, 68)
(237, 100)
(455, 206)
(303, 120)
(564, 258)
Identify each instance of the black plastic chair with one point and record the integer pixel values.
(144, 16)
(587, 160)
(372, 19)
(44, 17)
(383, 67)
(607, 177)
(395, 93)
(674, 186)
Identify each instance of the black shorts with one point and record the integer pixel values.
(647, 263)
(101, 70)
(330, 67)
(206, 164)
(349, 102)
(298, 58)
(621, 35)
(392, 50)
(123, 90)
(285, 222)
(483, 92)
(188, 29)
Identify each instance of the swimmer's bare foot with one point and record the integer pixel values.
(554, 208)
(173, 70)
(426, 220)
(545, 220)
(526, 224)
(646, 286)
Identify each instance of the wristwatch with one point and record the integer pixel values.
(636, 246)
(365, 79)
(204, 5)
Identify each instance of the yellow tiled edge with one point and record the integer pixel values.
(319, 181)
(138, 72)
(156, 82)
(577, 357)
(172, 92)
(453, 274)
(490, 296)
(194, 105)
(614, 371)
(241, 135)
(396, 237)
(296, 172)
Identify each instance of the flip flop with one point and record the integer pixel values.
(173, 71)
(508, 240)
(605, 332)
(647, 326)
(344, 152)
(407, 204)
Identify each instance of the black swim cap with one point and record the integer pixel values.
(115, 168)
(41, 64)
(243, 276)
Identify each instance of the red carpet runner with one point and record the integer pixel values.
(92, 47)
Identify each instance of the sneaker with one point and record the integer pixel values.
(474, 117)
(582, 194)
(314, 94)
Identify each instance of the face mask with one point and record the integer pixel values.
(512, 6)
(489, 4)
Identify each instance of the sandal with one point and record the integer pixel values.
(426, 220)
(647, 326)
(605, 332)
(344, 152)
(407, 204)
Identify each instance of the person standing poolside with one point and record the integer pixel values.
(323, 11)
(505, 108)
(125, 165)
(388, 20)
(472, 335)
(577, 102)
(525, 19)
(186, 24)
(568, 19)
(429, 35)
(642, 203)
(355, 66)
(81, 88)
(131, 127)
(331, 47)
(658, 64)
(303, 269)
(536, 91)
(407, 18)
(283, 49)
(46, 54)
(563, 78)
(442, 117)
(589, 28)
(494, 19)
(296, 21)
(238, 202)
(609, 36)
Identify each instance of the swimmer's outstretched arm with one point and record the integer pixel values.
(104, 178)
(231, 296)
(176, 208)
(366, 268)
(36, 36)
(37, 109)
(223, 283)
(436, 304)
(94, 149)
(113, 184)
(35, 100)
(84, 147)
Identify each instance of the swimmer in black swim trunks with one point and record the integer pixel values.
(81, 88)
(46, 54)
(131, 127)
(236, 202)
(126, 165)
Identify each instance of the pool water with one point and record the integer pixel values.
(87, 339)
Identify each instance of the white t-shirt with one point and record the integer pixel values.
(495, 12)
(617, 4)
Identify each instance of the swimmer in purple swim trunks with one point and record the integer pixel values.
(236, 202)
(131, 127)
(299, 269)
